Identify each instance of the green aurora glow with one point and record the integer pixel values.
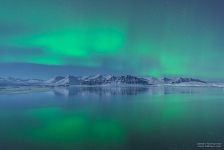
(156, 37)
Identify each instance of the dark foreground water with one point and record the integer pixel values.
(157, 118)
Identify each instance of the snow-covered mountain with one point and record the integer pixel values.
(96, 80)
(184, 80)
(54, 80)
(104, 80)
(120, 80)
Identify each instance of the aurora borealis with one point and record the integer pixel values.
(140, 37)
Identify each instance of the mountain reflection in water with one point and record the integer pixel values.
(113, 91)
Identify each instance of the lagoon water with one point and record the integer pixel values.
(105, 118)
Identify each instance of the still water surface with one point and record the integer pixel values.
(88, 118)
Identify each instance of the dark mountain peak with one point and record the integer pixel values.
(181, 80)
(165, 80)
(57, 78)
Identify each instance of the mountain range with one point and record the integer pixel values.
(102, 80)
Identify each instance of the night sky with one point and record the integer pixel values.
(44, 38)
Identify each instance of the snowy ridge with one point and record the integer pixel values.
(106, 80)
(111, 80)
